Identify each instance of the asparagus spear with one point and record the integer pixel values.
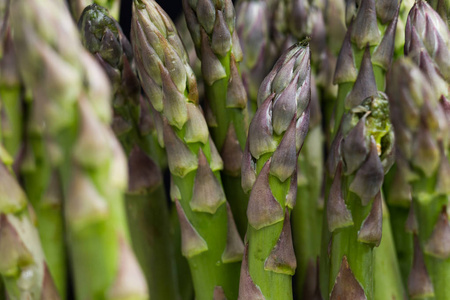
(354, 207)
(276, 135)
(22, 264)
(365, 55)
(210, 240)
(212, 27)
(40, 181)
(421, 129)
(148, 215)
(305, 17)
(72, 95)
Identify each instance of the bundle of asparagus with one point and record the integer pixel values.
(125, 175)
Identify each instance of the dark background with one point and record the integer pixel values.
(172, 7)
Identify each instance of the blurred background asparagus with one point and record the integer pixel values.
(93, 144)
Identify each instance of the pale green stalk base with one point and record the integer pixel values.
(307, 214)
(387, 279)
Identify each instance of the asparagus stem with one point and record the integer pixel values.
(425, 165)
(366, 53)
(429, 200)
(210, 240)
(22, 263)
(72, 96)
(146, 205)
(356, 226)
(212, 27)
(276, 135)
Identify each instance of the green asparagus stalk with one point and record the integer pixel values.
(354, 207)
(420, 124)
(40, 181)
(304, 18)
(23, 268)
(71, 94)
(210, 240)
(276, 135)
(184, 276)
(212, 27)
(147, 210)
(365, 55)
